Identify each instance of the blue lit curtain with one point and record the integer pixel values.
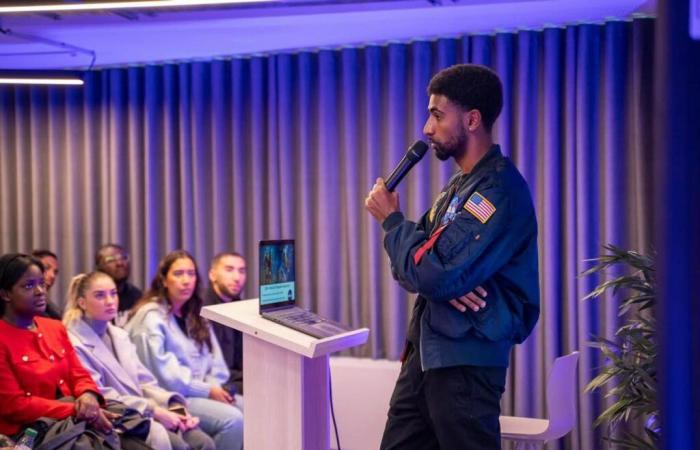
(213, 156)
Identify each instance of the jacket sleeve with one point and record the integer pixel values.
(17, 406)
(150, 340)
(80, 379)
(219, 373)
(466, 254)
(151, 389)
(137, 371)
(141, 404)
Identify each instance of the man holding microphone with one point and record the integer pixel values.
(481, 231)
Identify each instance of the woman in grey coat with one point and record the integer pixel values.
(180, 348)
(108, 354)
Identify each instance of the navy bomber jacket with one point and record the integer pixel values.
(487, 237)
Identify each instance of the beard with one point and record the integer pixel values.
(119, 275)
(453, 147)
(223, 290)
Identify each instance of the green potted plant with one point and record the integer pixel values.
(629, 371)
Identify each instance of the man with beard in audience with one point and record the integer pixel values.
(227, 276)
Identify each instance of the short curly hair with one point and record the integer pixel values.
(471, 86)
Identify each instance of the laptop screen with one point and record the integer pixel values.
(277, 274)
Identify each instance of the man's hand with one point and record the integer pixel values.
(470, 300)
(380, 202)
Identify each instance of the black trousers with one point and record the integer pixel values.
(447, 408)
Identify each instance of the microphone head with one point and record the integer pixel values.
(416, 151)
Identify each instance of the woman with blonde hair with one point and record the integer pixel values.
(180, 348)
(109, 356)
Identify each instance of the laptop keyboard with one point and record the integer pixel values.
(306, 322)
(303, 317)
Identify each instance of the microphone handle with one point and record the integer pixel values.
(398, 173)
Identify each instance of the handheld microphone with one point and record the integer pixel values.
(413, 155)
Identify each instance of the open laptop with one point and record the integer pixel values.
(278, 292)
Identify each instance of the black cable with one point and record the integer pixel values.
(67, 48)
(330, 392)
(92, 62)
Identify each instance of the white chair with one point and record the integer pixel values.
(528, 433)
(361, 392)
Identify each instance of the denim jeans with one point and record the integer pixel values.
(224, 423)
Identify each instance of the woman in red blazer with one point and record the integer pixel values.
(38, 364)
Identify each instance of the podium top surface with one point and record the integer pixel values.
(243, 316)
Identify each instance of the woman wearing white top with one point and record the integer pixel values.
(108, 354)
(180, 348)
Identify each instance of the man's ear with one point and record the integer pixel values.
(4, 296)
(472, 120)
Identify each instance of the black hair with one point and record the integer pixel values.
(12, 267)
(43, 253)
(471, 86)
(219, 256)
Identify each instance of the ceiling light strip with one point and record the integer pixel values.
(43, 81)
(121, 5)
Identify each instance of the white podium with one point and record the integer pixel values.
(285, 374)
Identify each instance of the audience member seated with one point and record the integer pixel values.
(227, 276)
(50, 262)
(107, 353)
(113, 259)
(181, 350)
(38, 365)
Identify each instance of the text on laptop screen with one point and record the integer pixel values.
(277, 277)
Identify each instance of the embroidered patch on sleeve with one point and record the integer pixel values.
(480, 207)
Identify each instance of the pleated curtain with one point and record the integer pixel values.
(217, 155)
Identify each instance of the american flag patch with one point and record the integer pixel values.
(481, 208)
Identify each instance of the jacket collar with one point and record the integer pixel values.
(491, 156)
(87, 336)
(83, 332)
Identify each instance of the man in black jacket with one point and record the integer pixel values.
(481, 231)
(227, 276)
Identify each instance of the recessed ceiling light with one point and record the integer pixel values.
(92, 6)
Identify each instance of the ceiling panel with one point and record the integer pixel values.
(157, 36)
